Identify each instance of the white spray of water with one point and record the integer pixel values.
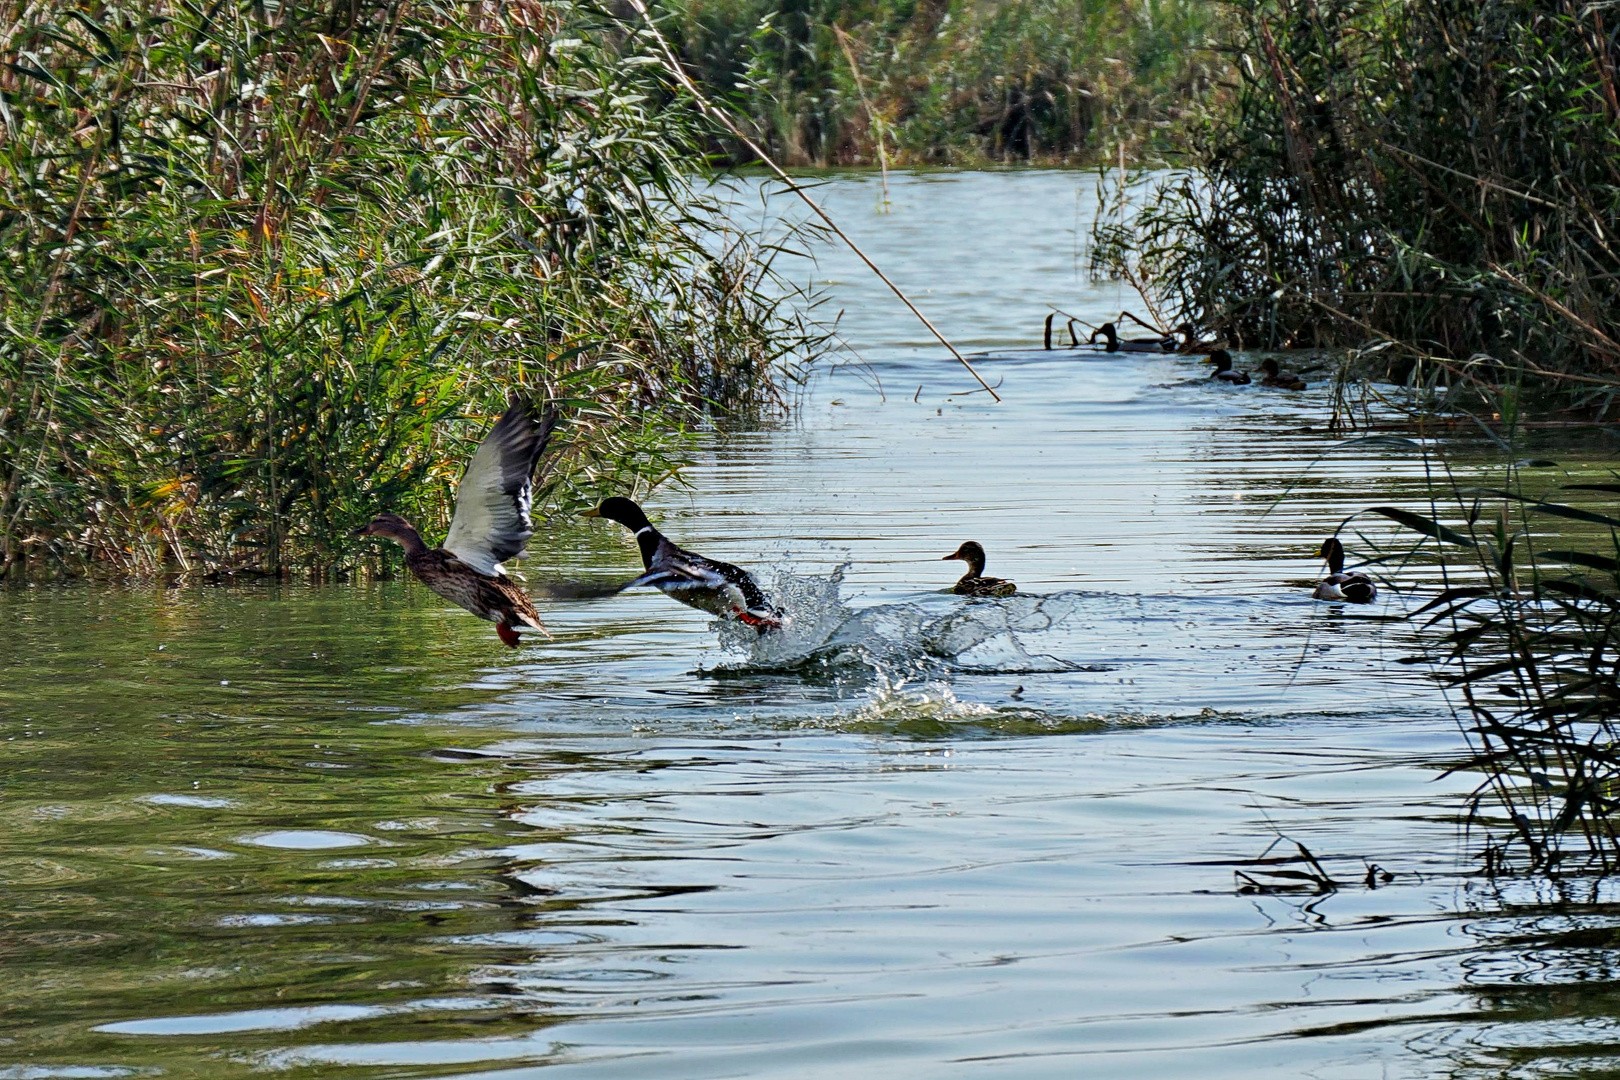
(898, 641)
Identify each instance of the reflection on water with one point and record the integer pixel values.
(342, 830)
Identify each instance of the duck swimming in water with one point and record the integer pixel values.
(491, 524)
(974, 583)
(1280, 378)
(1223, 369)
(1191, 342)
(707, 584)
(1115, 343)
(1352, 588)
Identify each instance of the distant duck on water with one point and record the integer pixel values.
(491, 524)
(1352, 588)
(1280, 378)
(974, 583)
(709, 585)
(1114, 343)
(1223, 369)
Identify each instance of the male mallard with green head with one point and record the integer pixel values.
(974, 583)
(1352, 588)
(1280, 378)
(491, 524)
(709, 585)
(1115, 343)
(1223, 369)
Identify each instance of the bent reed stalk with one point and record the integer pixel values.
(1438, 175)
(272, 268)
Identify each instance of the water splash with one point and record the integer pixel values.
(907, 640)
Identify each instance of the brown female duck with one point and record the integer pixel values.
(974, 583)
(1280, 378)
(491, 524)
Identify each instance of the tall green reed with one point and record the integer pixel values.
(1525, 637)
(273, 266)
(1438, 175)
(954, 81)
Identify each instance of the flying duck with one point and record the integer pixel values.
(974, 583)
(707, 584)
(1223, 369)
(1115, 343)
(1280, 378)
(491, 523)
(1354, 587)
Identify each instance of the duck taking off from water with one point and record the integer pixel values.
(1352, 588)
(1223, 369)
(709, 585)
(1280, 378)
(491, 524)
(974, 583)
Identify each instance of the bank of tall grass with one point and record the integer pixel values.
(1439, 176)
(839, 82)
(270, 267)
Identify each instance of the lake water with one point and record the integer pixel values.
(343, 832)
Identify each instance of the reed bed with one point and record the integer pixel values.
(844, 82)
(271, 267)
(1439, 176)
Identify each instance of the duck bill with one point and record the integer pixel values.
(364, 530)
(948, 558)
(592, 512)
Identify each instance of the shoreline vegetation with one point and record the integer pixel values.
(270, 269)
(1436, 181)
(274, 269)
(956, 82)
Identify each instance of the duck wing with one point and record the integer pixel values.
(672, 568)
(675, 570)
(496, 493)
(753, 595)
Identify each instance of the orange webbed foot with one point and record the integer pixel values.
(761, 623)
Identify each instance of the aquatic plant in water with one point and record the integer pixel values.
(1525, 634)
(271, 268)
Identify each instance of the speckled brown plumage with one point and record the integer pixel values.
(974, 583)
(499, 599)
(491, 523)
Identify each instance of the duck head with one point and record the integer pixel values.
(1107, 331)
(624, 511)
(1269, 366)
(1221, 359)
(970, 553)
(392, 527)
(1333, 552)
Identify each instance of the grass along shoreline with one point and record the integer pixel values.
(955, 82)
(273, 270)
(1435, 179)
